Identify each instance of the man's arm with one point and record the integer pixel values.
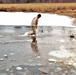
(36, 23)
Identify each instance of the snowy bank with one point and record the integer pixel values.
(21, 18)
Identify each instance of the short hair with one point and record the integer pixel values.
(39, 15)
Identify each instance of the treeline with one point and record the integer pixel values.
(37, 1)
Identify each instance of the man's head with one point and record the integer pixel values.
(39, 15)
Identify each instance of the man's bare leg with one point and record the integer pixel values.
(34, 31)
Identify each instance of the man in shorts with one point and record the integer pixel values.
(34, 24)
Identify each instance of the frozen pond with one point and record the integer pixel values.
(53, 52)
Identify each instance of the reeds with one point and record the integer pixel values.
(68, 9)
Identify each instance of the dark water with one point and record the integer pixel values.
(30, 55)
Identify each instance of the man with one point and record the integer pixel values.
(34, 24)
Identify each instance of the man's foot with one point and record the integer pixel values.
(33, 35)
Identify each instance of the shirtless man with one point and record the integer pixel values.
(34, 24)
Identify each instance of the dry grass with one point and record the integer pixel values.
(58, 8)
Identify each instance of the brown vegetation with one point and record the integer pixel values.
(37, 1)
(58, 8)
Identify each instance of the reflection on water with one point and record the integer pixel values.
(34, 45)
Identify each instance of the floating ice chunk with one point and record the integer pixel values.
(62, 53)
(7, 69)
(25, 68)
(14, 59)
(69, 63)
(38, 57)
(1, 59)
(11, 53)
(18, 68)
(5, 55)
(73, 71)
(58, 69)
(44, 69)
(52, 60)
(74, 64)
(11, 71)
(0, 36)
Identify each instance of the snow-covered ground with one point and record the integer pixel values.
(22, 18)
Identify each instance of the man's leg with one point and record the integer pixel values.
(34, 31)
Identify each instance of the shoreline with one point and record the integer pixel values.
(67, 9)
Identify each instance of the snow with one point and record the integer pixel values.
(23, 18)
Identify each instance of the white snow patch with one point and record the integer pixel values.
(21, 18)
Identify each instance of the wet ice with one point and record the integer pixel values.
(53, 50)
